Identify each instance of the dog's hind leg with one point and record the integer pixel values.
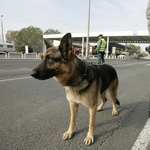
(104, 99)
(112, 89)
(74, 109)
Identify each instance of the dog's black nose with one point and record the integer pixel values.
(33, 73)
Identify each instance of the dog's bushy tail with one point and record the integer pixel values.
(117, 102)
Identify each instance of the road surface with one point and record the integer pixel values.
(34, 114)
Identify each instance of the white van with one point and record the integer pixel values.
(7, 47)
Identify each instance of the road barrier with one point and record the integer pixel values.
(20, 55)
(40, 55)
(15, 55)
(95, 57)
(30, 56)
(3, 55)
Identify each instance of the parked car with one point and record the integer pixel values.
(134, 55)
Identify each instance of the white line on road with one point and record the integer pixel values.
(14, 70)
(14, 79)
(143, 138)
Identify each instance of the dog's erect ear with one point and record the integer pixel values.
(66, 46)
(47, 44)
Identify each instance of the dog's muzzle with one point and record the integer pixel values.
(33, 73)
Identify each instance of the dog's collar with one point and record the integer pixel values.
(88, 69)
(85, 72)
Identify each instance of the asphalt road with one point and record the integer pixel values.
(34, 114)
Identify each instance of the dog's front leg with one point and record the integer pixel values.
(90, 135)
(74, 109)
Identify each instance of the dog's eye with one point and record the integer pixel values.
(49, 59)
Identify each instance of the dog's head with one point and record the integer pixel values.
(55, 61)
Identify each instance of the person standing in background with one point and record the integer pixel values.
(101, 45)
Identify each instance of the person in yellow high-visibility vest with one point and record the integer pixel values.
(101, 45)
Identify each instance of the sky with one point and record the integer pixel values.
(72, 15)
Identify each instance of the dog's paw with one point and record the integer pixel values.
(114, 113)
(99, 108)
(67, 135)
(88, 140)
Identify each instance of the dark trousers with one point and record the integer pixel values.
(100, 57)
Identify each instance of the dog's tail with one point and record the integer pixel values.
(117, 102)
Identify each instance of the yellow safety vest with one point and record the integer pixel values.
(103, 45)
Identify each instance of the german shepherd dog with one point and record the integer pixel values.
(84, 84)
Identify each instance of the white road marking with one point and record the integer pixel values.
(15, 79)
(143, 139)
(14, 70)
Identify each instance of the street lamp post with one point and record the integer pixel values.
(87, 41)
(2, 29)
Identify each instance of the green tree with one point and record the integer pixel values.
(22, 49)
(51, 31)
(32, 37)
(134, 49)
(11, 37)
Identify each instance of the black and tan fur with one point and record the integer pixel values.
(84, 84)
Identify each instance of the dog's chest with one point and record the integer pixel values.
(74, 96)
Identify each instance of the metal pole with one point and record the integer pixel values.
(2, 29)
(44, 47)
(125, 47)
(87, 40)
(82, 46)
(107, 49)
(149, 106)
